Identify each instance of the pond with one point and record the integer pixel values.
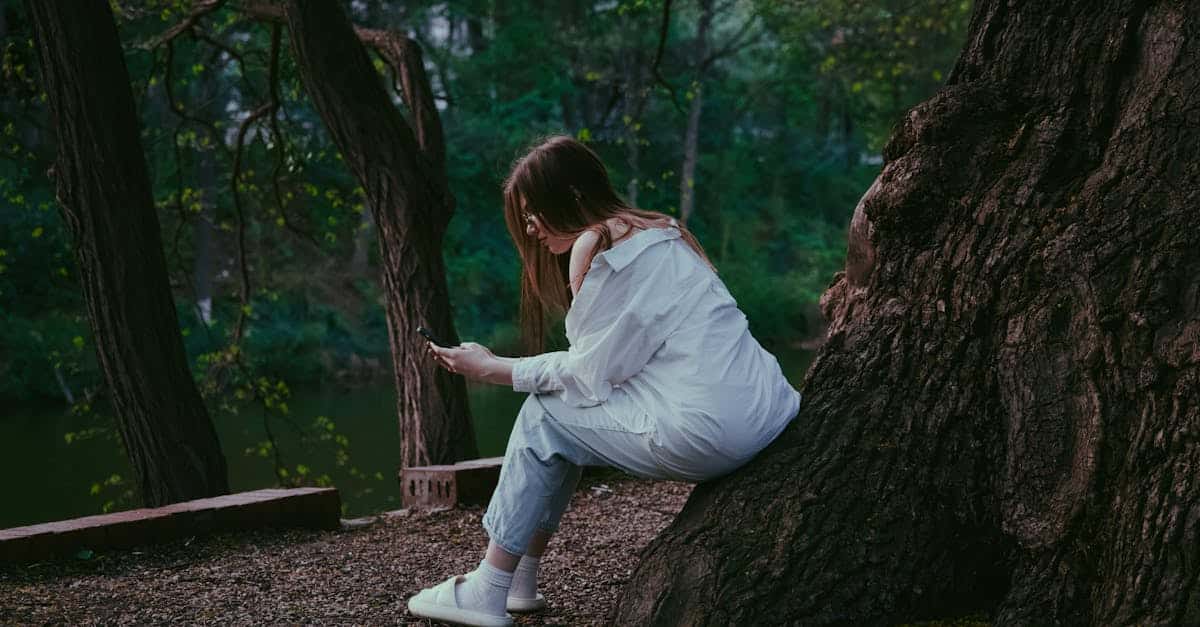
(46, 478)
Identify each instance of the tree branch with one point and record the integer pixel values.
(262, 110)
(734, 45)
(238, 57)
(200, 9)
(277, 139)
(663, 30)
(405, 58)
(177, 108)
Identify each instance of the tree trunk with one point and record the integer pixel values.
(691, 137)
(691, 152)
(475, 37)
(403, 172)
(632, 106)
(203, 233)
(1005, 418)
(362, 242)
(633, 103)
(104, 195)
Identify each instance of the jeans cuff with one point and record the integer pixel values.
(489, 527)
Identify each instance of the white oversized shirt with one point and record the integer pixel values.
(657, 341)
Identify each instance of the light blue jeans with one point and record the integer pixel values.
(550, 442)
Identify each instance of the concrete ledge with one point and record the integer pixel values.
(468, 482)
(314, 508)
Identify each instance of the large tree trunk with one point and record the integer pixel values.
(403, 175)
(104, 194)
(1006, 415)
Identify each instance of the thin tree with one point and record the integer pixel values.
(402, 169)
(1005, 418)
(104, 195)
(691, 136)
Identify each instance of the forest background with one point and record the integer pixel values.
(777, 109)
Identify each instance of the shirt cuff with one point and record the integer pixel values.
(524, 374)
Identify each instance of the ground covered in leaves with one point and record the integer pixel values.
(362, 575)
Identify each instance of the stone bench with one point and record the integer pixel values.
(314, 508)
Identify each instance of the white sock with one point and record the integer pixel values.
(524, 582)
(485, 590)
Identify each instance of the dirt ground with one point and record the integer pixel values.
(363, 575)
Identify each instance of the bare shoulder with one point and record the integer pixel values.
(582, 252)
(586, 241)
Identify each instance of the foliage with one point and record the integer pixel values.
(798, 99)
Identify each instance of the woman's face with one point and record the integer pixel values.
(534, 228)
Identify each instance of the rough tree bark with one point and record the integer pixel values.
(402, 169)
(362, 241)
(1006, 416)
(104, 195)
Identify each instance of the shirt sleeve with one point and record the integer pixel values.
(533, 374)
(620, 336)
(585, 374)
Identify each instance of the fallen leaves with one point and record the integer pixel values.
(364, 574)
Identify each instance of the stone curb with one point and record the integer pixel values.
(314, 508)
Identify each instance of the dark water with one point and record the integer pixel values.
(46, 478)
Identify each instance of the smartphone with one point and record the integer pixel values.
(432, 338)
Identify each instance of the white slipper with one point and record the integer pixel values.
(525, 604)
(438, 603)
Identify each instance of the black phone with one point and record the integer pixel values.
(432, 338)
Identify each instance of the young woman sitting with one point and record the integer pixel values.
(662, 378)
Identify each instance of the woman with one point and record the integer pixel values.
(662, 378)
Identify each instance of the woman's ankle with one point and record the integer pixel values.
(524, 582)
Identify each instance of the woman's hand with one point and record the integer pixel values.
(471, 360)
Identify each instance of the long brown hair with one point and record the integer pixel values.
(565, 185)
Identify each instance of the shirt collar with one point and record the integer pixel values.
(625, 252)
